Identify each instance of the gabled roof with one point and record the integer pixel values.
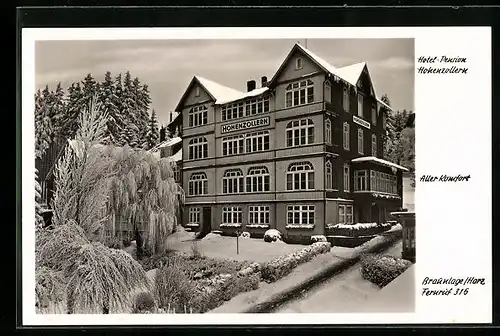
(177, 156)
(166, 143)
(216, 91)
(349, 74)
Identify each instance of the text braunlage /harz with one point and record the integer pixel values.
(450, 286)
(446, 65)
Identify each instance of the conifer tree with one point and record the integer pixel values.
(153, 132)
(76, 102)
(109, 100)
(43, 128)
(58, 110)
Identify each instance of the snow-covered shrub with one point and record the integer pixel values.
(281, 266)
(245, 235)
(173, 289)
(318, 238)
(381, 270)
(144, 302)
(358, 229)
(272, 235)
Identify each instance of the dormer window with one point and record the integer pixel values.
(197, 91)
(298, 63)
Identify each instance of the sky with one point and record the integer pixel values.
(167, 66)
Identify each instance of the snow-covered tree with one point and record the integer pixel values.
(97, 278)
(38, 199)
(109, 99)
(153, 135)
(75, 104)
(43, 127)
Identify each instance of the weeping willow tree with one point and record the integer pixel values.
(143, 194)
(96, 277)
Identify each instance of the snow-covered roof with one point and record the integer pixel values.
(349, 73)
(253, 93)
(166, 143)
(177, 156)
(379, 161)
(218, 91)
(174, 116)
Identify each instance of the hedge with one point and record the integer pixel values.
(359, 229)
(281, 266)
(382, 269)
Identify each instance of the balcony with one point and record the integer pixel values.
(299, 110)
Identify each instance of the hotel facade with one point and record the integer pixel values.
(299, 152)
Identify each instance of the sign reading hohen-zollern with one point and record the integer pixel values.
(265, 121)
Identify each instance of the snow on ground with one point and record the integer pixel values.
(346, 292)
(224, 247)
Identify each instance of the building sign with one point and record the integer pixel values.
(245, 125)
(361, 122)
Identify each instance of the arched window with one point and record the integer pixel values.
(198, 115)
(328, 132)
(299, 93)
(198, 148)
(258, 179)
(329, 175)
(300, 132)
(232, 182)
(300, 176)
(198, 184)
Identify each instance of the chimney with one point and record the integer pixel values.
(263, 80)
(170, 116)
(250, 85)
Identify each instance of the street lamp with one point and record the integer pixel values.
(407, 220)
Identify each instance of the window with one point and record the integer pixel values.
(198, 115)
(345, 99)
(232, 215)
(328, 131)
(374, 115)
(197, 91)
(198, 148)
(300, 132)
(360, 180)
(360, 105)
(177, 172)
(346, 137)
(300, 214)
(232, 145)
(298, 63)
(360, 141)
(374, 145)
(194, 215)
(257, 141)
(329, 175)
(347, 174)
(198, 184)
(300, 176)
(232, 111)
(299, 93)
(381, 182)
(258, 214)
(258, 179)
(328, 92)
(257, 106)
(345, 214)
(232, 182)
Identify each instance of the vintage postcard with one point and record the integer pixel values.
(256, 176)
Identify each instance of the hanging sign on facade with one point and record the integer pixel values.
(361, 122)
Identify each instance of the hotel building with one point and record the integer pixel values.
(299, 152)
